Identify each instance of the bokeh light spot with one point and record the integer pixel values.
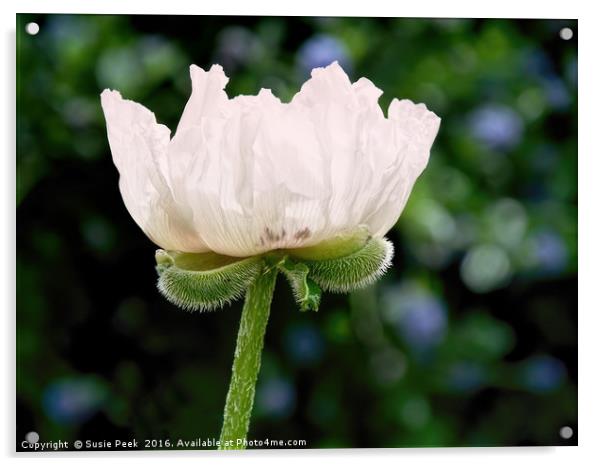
(276, 398)
(498, 126)
(388, 365)
(304, 344)
(485, 268)
(543, 373)
(508, 222)
(415, 412)
(321, 50)
(419, 317)
(73, 400)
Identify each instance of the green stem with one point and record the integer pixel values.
(247, 360)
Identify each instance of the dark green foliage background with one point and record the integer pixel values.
(470, 339)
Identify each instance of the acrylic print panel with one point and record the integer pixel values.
(458, 329)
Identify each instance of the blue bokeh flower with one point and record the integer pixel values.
(550, 251)
(542, 373)
(419, 317)
(466, 376)
(321, 50)
(73, 400)
(498, 126)
(276, 397)
(304, 344)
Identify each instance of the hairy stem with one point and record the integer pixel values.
(247, 360)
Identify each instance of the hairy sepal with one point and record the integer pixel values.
(352, 271)
(204, 281)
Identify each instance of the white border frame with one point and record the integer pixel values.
(590, 226)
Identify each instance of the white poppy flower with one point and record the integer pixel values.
(247, 175)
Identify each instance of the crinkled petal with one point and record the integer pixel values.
(415, 129)
(139, 146)
(208, 98)
(344, 116)
(326, 85)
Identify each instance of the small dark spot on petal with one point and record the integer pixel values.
(303, 234)
(270, 235)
